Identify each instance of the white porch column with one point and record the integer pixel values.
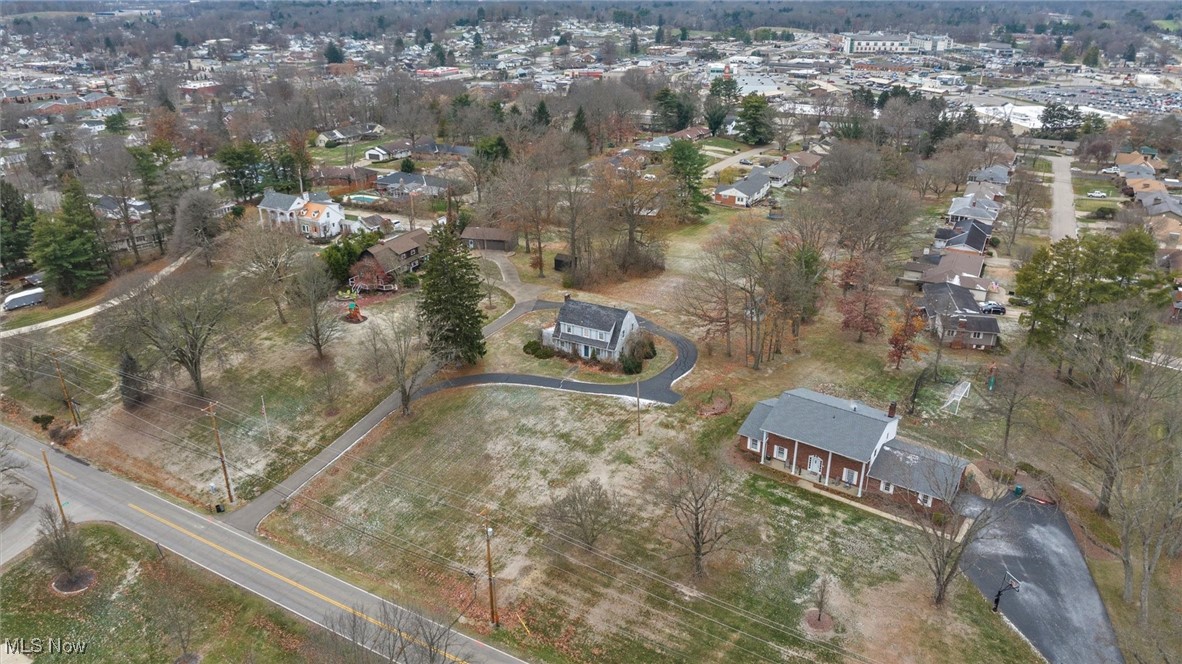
(829, 468)
(795, 445)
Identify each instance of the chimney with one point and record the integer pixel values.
(566, 297)
(891, 409)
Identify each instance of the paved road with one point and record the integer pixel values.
(1058, 607)
(1063, 223)
(733, 160)
(87, 313)
(90, 494)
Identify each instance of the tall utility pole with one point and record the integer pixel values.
(66, 393)
(637, 405)
(53, 485)
(492, 595)
(211, 409)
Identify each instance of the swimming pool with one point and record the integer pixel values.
(364, 199)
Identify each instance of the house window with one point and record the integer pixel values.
(849, 476)
(304, 228)
(886, 486)
(780, 453)
(602, 336)
(978, 335)
(752, 444)
(924, 499)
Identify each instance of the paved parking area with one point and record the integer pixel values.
(1058, 608)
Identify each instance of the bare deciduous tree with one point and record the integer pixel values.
(269, 260)
(407, 359)
(945, 531)
(8, 461)
(1026, 199)
(1015, 384)
(586, 512)
(309, 293)
(172, 606)
(184, 321)
(392, 635)
(197, 224)
(699, 492)
(61, 546)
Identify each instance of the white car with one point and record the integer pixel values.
(1111, 170)
(1097, 194)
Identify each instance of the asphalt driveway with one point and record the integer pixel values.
(1058, 608)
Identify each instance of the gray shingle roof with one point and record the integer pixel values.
(274, 200)
(594, 316)
(949, 299)
(849, 428)
(918, 468)
(749, 186)
(753, 425)
(972, 323)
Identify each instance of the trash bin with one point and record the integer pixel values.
(220, 508)
(1018, 491)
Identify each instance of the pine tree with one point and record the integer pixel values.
(449, 302)
(67, 247)
(686, 163)
(634, 44)
(541, 114)
(755, 120)
(333, 54)
(660, 36)
(580, 125)
(16, 224)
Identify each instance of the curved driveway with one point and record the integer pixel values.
(658, 389)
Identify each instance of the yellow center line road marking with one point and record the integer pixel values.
(56, 468)
(296, 584)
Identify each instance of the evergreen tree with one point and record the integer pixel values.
(67, 247)
(1131, 53)
(579, 126)
(684, 34)
(133, 389)
(449, 302)
(407, 165)
(755, 120)
(1091, 56)
(16, 224)
(660, 37)
(715, 114)
(541, 114)
(686, 163)
(333, 54)
(477, 41)
(117, 124)
(634, 44)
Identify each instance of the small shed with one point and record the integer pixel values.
(563, 262)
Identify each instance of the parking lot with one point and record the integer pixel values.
(1119, 100)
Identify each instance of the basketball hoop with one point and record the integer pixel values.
(1010, 582)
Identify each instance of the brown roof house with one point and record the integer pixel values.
(484, 237)
(847, 446)
(405, 253)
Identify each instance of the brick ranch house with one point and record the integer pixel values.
(849, 447)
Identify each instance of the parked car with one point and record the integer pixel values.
(745, 162)
(1019, 301)
(1111, 170)
(1097, 194)
(993, 309)
(25, 298)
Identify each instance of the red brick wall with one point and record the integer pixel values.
(803, 450)
(901, 496)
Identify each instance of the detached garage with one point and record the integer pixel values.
(481, 237)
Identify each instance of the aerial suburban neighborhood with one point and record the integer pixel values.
(589, 332)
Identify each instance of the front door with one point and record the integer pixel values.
(815, 464)
(586, 350)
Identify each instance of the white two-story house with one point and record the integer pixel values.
(587, 330)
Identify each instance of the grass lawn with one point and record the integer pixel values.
(724, 144)
(1082, 185)
(115, 621)
(339, 156)
(1093, 204)
(1165, 626)
(1169, 25)
(423, 482)
(505, 355)
(1041, 165)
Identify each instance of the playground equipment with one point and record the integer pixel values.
(353, 314)
(959, 392)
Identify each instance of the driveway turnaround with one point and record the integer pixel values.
(90, 494)
(1057, 608)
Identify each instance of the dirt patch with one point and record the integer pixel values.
(817, 622)
(1091, 550)
(67, 587)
